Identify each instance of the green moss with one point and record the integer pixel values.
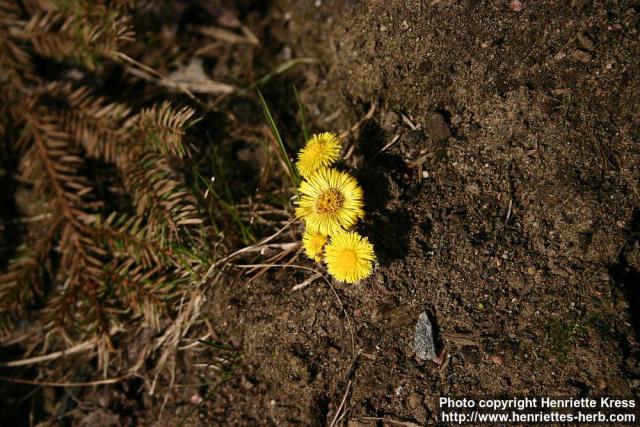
(560, 334)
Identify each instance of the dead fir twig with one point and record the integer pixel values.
(66, 384)
(342, 405)
(82, 347)
(354, 128)
(244, 250)
(461, 339)
(188, 88)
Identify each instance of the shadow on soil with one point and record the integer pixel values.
(389, 229)
(626, 277)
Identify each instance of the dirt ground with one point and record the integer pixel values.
(506, 208)
(500, 167)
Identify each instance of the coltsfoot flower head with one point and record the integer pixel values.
(330, 202)
(349, 257)
(313, 243)
(322, 150)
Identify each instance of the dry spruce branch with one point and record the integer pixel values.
(97, 254)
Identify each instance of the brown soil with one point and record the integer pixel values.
(519, 234)
(510, 215)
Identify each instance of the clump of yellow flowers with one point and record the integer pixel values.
(331, 203)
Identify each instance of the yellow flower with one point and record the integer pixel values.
(349, 257)
(314, 244)
(330, 200)
(320, 151)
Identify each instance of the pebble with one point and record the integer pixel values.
(516, 6)
(413, 145)
(488, 272)
(423, 339)
(581, 56)
(390, 120)
(245, 383)
(437, 127)
(584, 41)
(417, 408)
(298, 368)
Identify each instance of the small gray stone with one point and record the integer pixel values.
(423, 339)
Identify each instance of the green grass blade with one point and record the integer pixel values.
(276, 134)
(284, 67)
(302, 112)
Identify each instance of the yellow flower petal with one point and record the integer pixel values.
(314, 244)
(322, 150)
(349, 257)
(330, 202)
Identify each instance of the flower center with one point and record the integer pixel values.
(330, 202)
(316, 149)
(349, 258)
